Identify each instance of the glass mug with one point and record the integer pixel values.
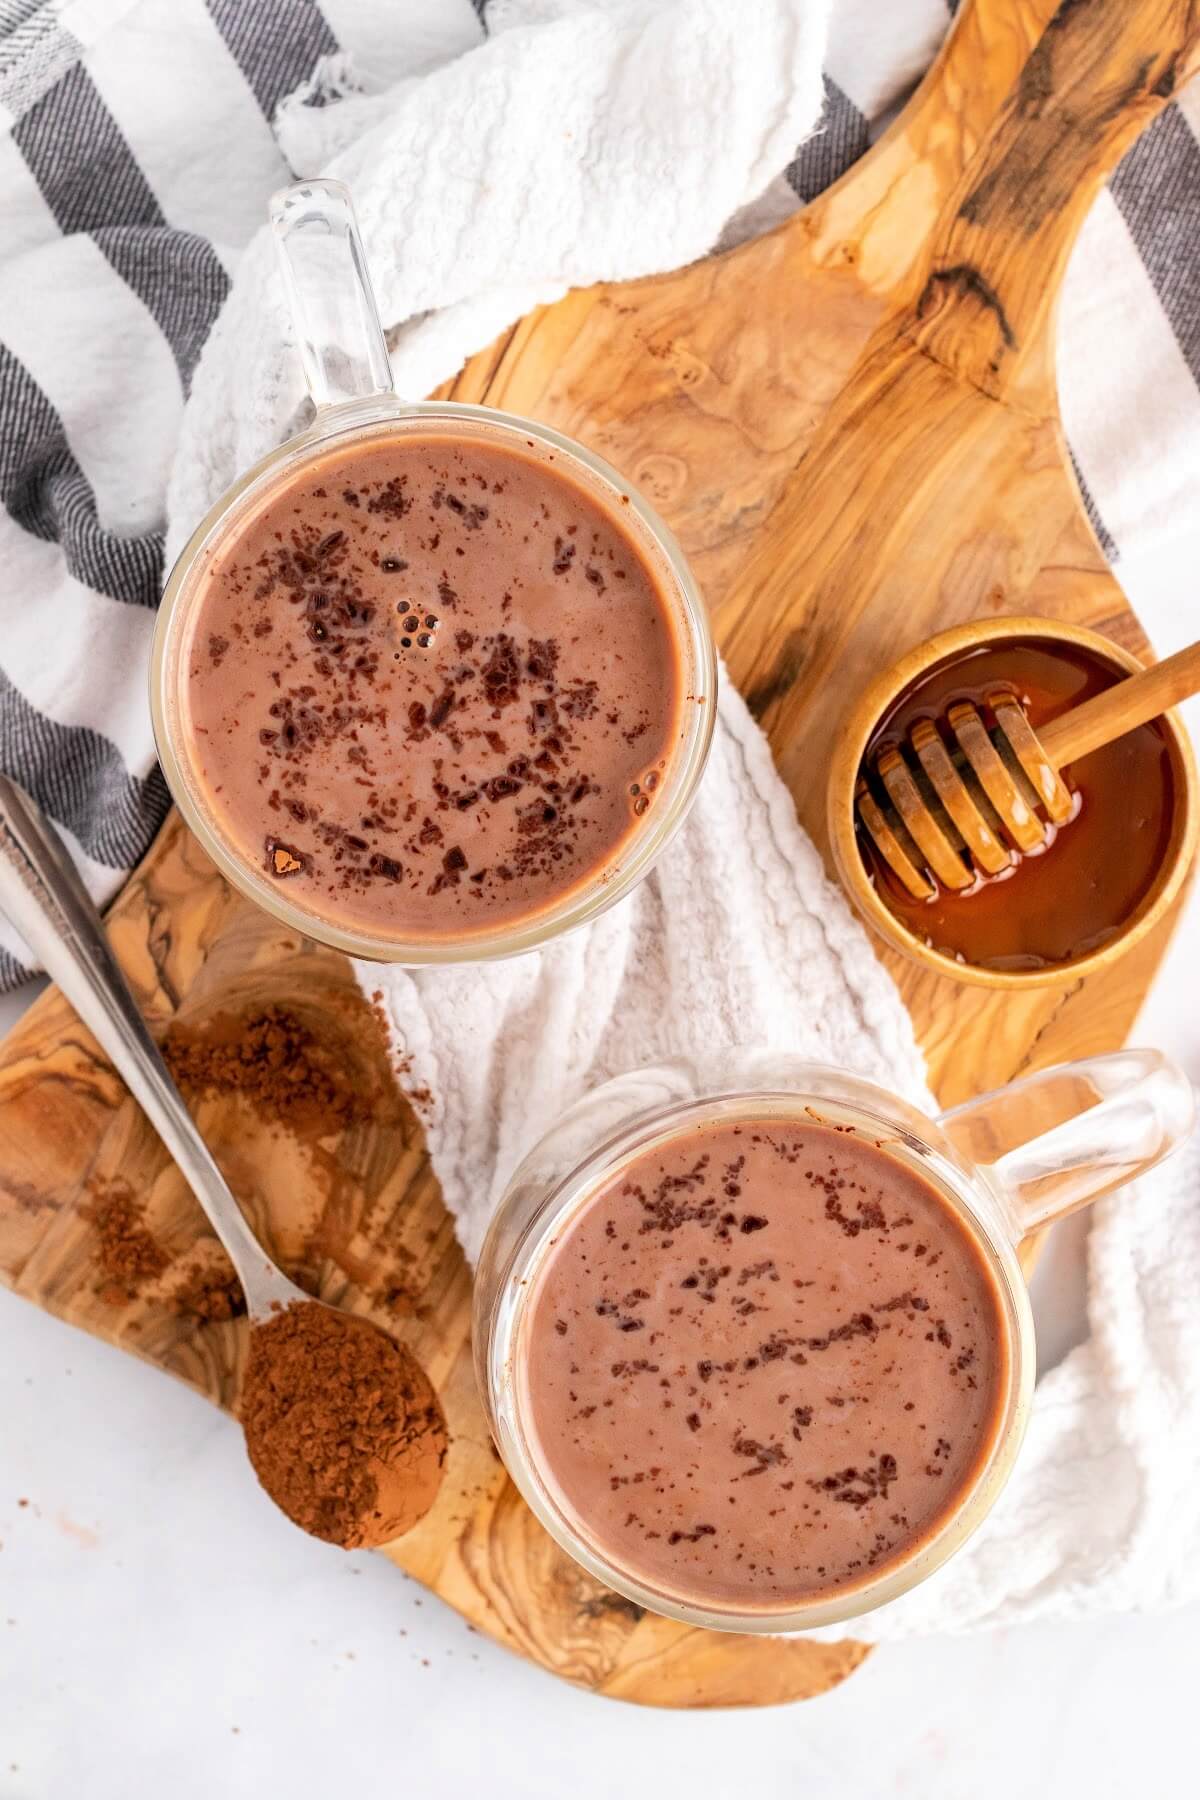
(1004, 1165)
(347, 373)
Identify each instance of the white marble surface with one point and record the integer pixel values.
(162, 1631)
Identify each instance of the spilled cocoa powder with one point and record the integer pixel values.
(211, 1292)
(315, 1087)
(420, 1098)
(342, 1426)
(127, 1253)
(274, 1060)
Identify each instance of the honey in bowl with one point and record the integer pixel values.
(1068, 899)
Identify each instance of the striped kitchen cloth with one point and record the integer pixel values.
(137, 154)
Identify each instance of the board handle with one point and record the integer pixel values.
(1096, 73)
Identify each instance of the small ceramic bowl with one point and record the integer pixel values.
(857, 879)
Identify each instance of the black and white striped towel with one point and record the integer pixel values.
(139, 141)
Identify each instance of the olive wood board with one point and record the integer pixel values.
(852, 425)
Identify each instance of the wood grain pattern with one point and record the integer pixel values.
(852, 425)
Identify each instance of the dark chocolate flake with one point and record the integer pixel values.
(501, 787)
(283, 859)
(391, 500)
(692, 1537)
(441, 708)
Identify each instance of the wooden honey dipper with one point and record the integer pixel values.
(954, 809)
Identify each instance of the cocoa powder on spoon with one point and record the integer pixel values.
(342, 1426)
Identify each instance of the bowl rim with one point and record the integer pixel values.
(851, 744)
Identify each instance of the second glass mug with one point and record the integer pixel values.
(346, 369)
(1005, 1164)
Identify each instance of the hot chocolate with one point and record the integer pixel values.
(763, 1363)
(432, 685)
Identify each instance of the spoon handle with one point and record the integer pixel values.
(42, 895)
(1133, 701)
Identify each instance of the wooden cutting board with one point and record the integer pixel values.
(852, 425)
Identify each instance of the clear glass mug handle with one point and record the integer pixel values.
(329, 293)
(1056, 1141)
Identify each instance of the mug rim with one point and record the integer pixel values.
(598, 890)
(924, 1147)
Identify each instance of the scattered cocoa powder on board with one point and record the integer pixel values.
(420, 1098)
(342, 1426)
(211, 1292)
(274, 1060)
(127, 1253)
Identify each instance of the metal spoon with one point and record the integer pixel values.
(45, 900)
(43, 896)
